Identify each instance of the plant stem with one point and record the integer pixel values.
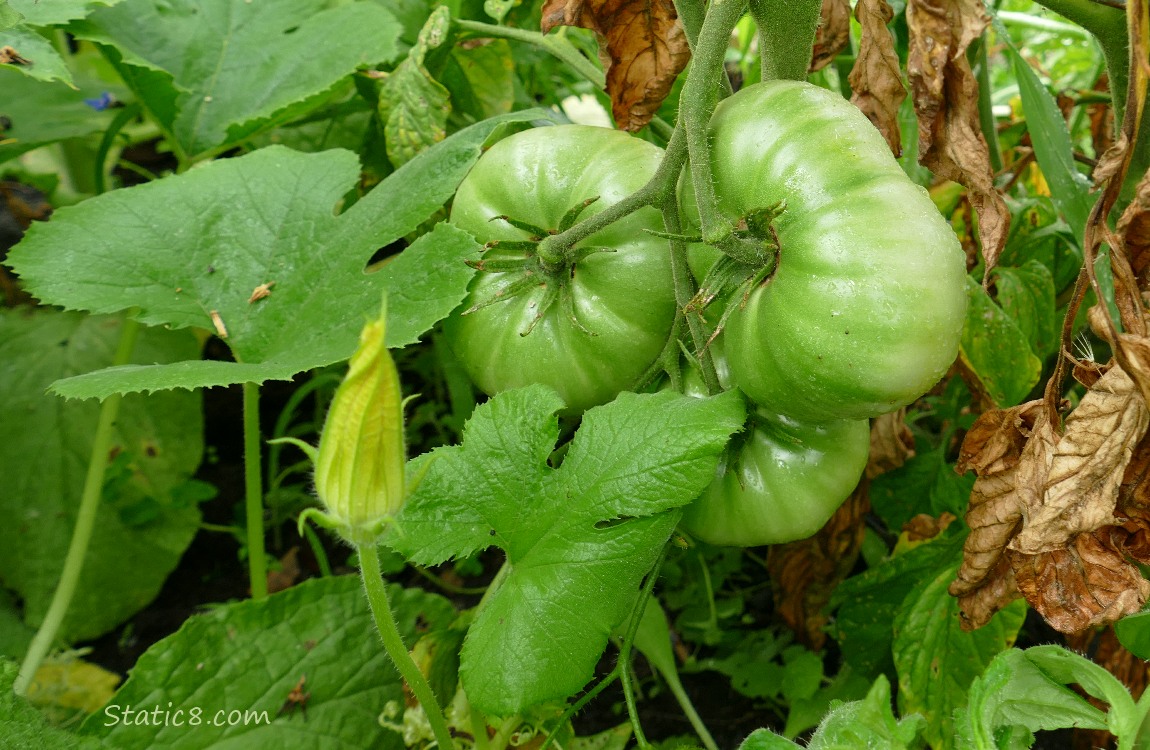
(786, 36)
(253, 492)
(685, 289)
(85, 520)
(393, 643)
(628, 642)
(563, 50)
(699, 97)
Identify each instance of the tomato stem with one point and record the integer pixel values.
(786, 36)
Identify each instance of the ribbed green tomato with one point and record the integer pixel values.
(864, 311)
(782, 481)
(610, 312)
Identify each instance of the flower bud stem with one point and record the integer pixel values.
(393, 643)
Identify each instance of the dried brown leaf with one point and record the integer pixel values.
(1136, 358)
(891, 443)
(925, 526)
(875, 78)
(1088, 583)
(644, 43)
(1112, 160)
(945, 95)
(1005, 486)
(1081, 489)
(1134, 228)
(1134, 492)
(833, 33)
(995, 441)
(997, 590)
(805, 573)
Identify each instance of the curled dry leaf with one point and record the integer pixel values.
(806, 572)
(644, 45)
(1136, 358)
(999, 589)
(1087, 583)
(1010, 451)
(875, 78)
(945, 95)
(925, 526)
(891, 443)
(1081, 489)
(1134, 228)
(833, 33)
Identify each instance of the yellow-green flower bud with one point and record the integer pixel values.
(360, 461)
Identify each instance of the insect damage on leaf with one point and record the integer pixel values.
(643, 47)
(945, 95)
(875, 78)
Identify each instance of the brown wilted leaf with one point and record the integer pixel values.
(925, 526)
(1087, 466)
(1088, 583)
(875, 78)
(1015, 460)
(997, 590)
(833, 33)
(288, 573)
(643, 42)
(891, 443)
(945, 94)
(1112, 160)
(1136, 359)
(1134, 228)
(805, 573)
(1134, 492)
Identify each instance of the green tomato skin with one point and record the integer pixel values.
(782, 484)
(865, 309)
(626, 297)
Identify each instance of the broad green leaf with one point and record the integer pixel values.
(181, 247)
(158, 443)
(43, 113)
(413, 106)
(869, 722)
(867, 604)
(1015, 693)
(937, 660)
(247, 658)
(1026, 294)
(45, 63)
(765, 739)
(805, 713)
(22, 726)
(1134, 633)
(1069, 188)
(15, 636)
(996, 350)
(228, 69)
(56, 12)
(1066, 667)
(9, 17)
(924, 484)
(578, 539)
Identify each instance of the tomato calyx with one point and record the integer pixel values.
(533, 270)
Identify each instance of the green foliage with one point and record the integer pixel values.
(997, 350)
(146, 520)
(247, 658)
(22, 726)
(579, 538)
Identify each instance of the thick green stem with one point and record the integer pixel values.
(557, 249)
(700, 95)
(685, 289)
(786, 36)
(85, 521)
(253, 492)
(393, 643)
(560, 49)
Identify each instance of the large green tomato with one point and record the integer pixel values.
(588, 330)
(864, 311)
(781, 481)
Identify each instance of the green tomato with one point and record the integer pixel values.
(864, 311)
(588, 330)
(782, 479)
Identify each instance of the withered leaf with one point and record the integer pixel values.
(806, 572)
(1134, 228)
(1136, 351)
(643, 42)
(876, 79)
(1005, 486)
(1088, 583)
(997, 590)
(925, 526)
(833, 33)
(1134, 492)
(891, 443)
(945, 94)
(1086, 469)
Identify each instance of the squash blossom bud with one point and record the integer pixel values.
(360, 462)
